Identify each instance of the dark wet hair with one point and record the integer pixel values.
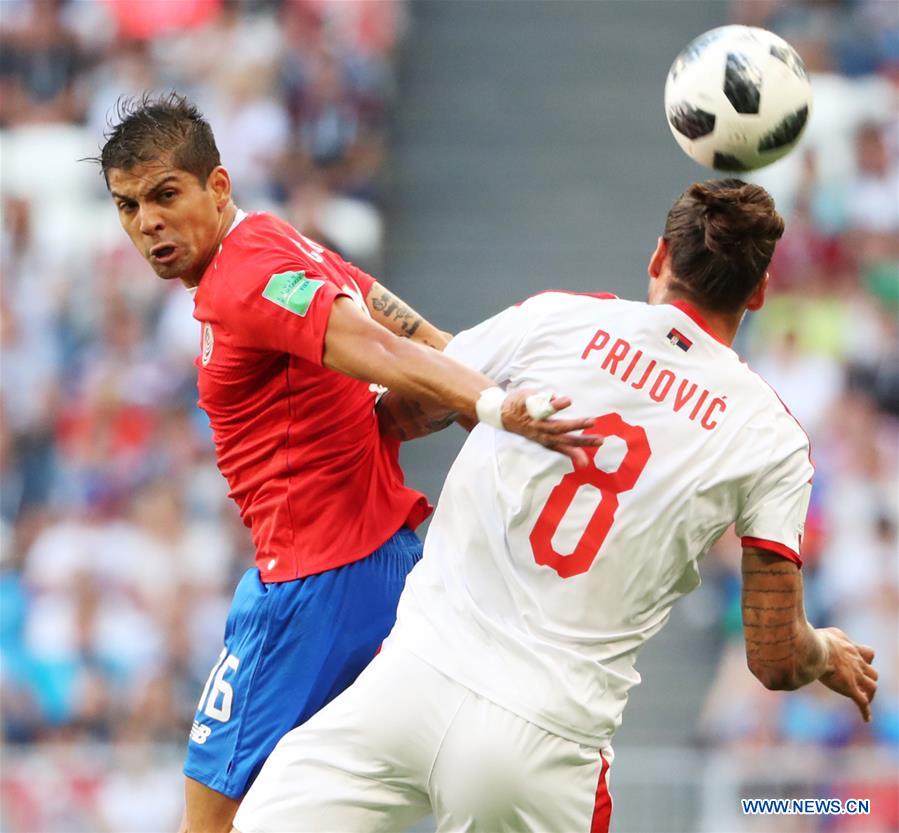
(721, 235)
(150, 128)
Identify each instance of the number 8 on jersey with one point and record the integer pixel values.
(610, 485)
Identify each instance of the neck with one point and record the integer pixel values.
(225, 222)
(723, 324)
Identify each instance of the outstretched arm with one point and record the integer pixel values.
(358, 347)
(783, 650)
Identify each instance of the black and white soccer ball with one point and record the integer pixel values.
(738, 98)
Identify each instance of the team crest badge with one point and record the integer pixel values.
(208, 342)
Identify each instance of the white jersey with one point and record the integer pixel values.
(540, 583)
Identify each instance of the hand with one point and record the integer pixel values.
(848, 670)
(552, 433)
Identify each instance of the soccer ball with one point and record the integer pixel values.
(737, 98)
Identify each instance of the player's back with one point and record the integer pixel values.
(566, 573)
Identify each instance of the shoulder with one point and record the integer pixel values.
(264, 252)
(260, 235)
(552, 302)
(563, 297)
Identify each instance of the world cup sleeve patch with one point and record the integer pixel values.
(292, 290)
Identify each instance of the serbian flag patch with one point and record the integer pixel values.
(678, 339)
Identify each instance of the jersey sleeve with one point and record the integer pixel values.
(286, 312)
(349, 273)
(773, 516)
(363, 280)
(492, 345)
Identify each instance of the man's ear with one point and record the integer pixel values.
(658, 258)
(757, 299)
(219, 182)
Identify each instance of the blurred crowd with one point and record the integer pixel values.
(119, 546)
(120, 549)
(828, 342)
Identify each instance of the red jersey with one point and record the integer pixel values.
(299, 444)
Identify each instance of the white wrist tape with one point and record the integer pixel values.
(824, 643)
(489, 407)
(539, 405)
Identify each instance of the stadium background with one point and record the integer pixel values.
(469, 154)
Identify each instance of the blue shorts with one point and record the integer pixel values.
(290, 648)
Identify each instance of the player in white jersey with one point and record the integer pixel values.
(495, 698)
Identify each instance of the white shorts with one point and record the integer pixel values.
(404, 741)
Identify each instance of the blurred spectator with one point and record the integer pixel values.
(872, 198)
(254, 131)
(119, 546)
(808, 384)
(148, 19)
(42, 65)
(28, 405)
(127, 70)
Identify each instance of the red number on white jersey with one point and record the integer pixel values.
(610, 485)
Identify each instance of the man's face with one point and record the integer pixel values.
(174, 221)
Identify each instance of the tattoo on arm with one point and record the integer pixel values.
(394, 310)
(771, 589)
(768, 608)
(407, 419)
(779, 642)
(775, 661)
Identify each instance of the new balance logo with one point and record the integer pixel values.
(200, 733)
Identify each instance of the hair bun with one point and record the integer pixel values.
(721, 235)
(704, 195)
(735, 214)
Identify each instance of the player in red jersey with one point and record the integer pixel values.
(293, 340)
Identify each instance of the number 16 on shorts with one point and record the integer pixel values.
(218, 695)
